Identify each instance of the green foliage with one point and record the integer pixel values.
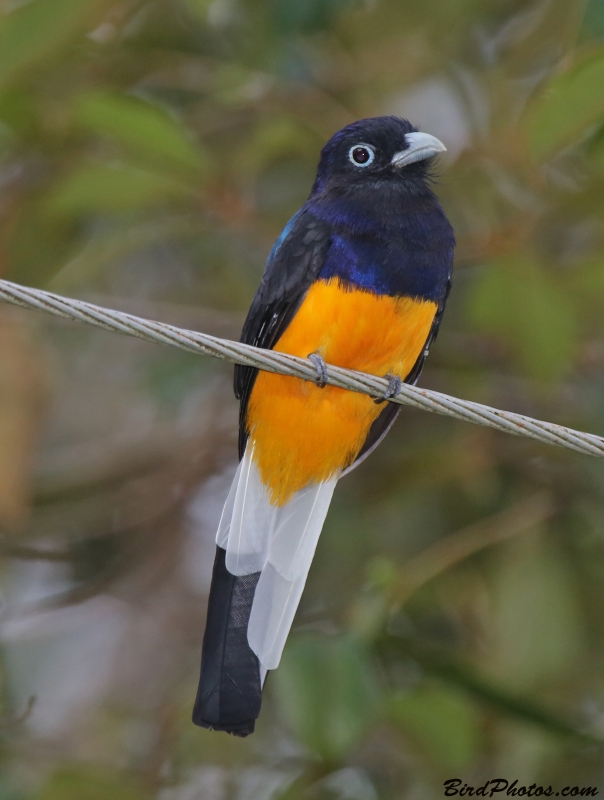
(519, 300)
(145, 131)
(275, 138)
(315, 15)
(37, 30)
(111, 188)
(593, 20)
(568, 107)
(326, 690)
(536, 614)
(441, 722)
(82, 783)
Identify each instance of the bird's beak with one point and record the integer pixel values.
(421, 146)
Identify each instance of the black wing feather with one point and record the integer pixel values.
(291, 269)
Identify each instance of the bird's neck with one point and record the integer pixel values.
(373, 212)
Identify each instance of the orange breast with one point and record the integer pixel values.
(302, 434)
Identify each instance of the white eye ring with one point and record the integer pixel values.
(367, 148)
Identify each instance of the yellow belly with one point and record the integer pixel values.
(302, 434)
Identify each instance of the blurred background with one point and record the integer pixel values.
(453, 622)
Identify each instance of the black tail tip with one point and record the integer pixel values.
(241, 729)
(230, 689)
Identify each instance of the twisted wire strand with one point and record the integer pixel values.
(284, 364)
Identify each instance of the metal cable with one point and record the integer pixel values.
(284, 364)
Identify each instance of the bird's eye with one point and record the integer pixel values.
(361, 155)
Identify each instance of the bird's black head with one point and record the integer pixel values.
(376, 153)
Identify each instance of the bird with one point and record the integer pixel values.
(358, 278)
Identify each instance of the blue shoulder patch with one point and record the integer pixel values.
(283, 236)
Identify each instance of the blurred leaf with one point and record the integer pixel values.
(596, 152)
(146, 130)
(593, 20)
(275, 138)
(440, 662)
(88, 783)
(588, 282)
(9, 787)
(30, 33)
(198, 8)
(112, 189)
(233, 85)
(291, 16)
(568, 106)
(118, 242)
(326, 692)
(537, 632)
(6, 140)
(37, 245)
(440, 721)
(18, 112)
(517, 299)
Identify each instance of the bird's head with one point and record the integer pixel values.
(377, 153)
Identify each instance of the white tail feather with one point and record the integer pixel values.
(224, 526)
(273, 611)
(277, 541)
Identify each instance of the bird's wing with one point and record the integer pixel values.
(293, 265)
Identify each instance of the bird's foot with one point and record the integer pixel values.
(395, 384)
(321, 368)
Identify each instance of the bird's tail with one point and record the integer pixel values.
(263, 556)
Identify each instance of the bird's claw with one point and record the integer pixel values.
(395, 384)
(321, 368)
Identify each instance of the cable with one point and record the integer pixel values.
(284, 364)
